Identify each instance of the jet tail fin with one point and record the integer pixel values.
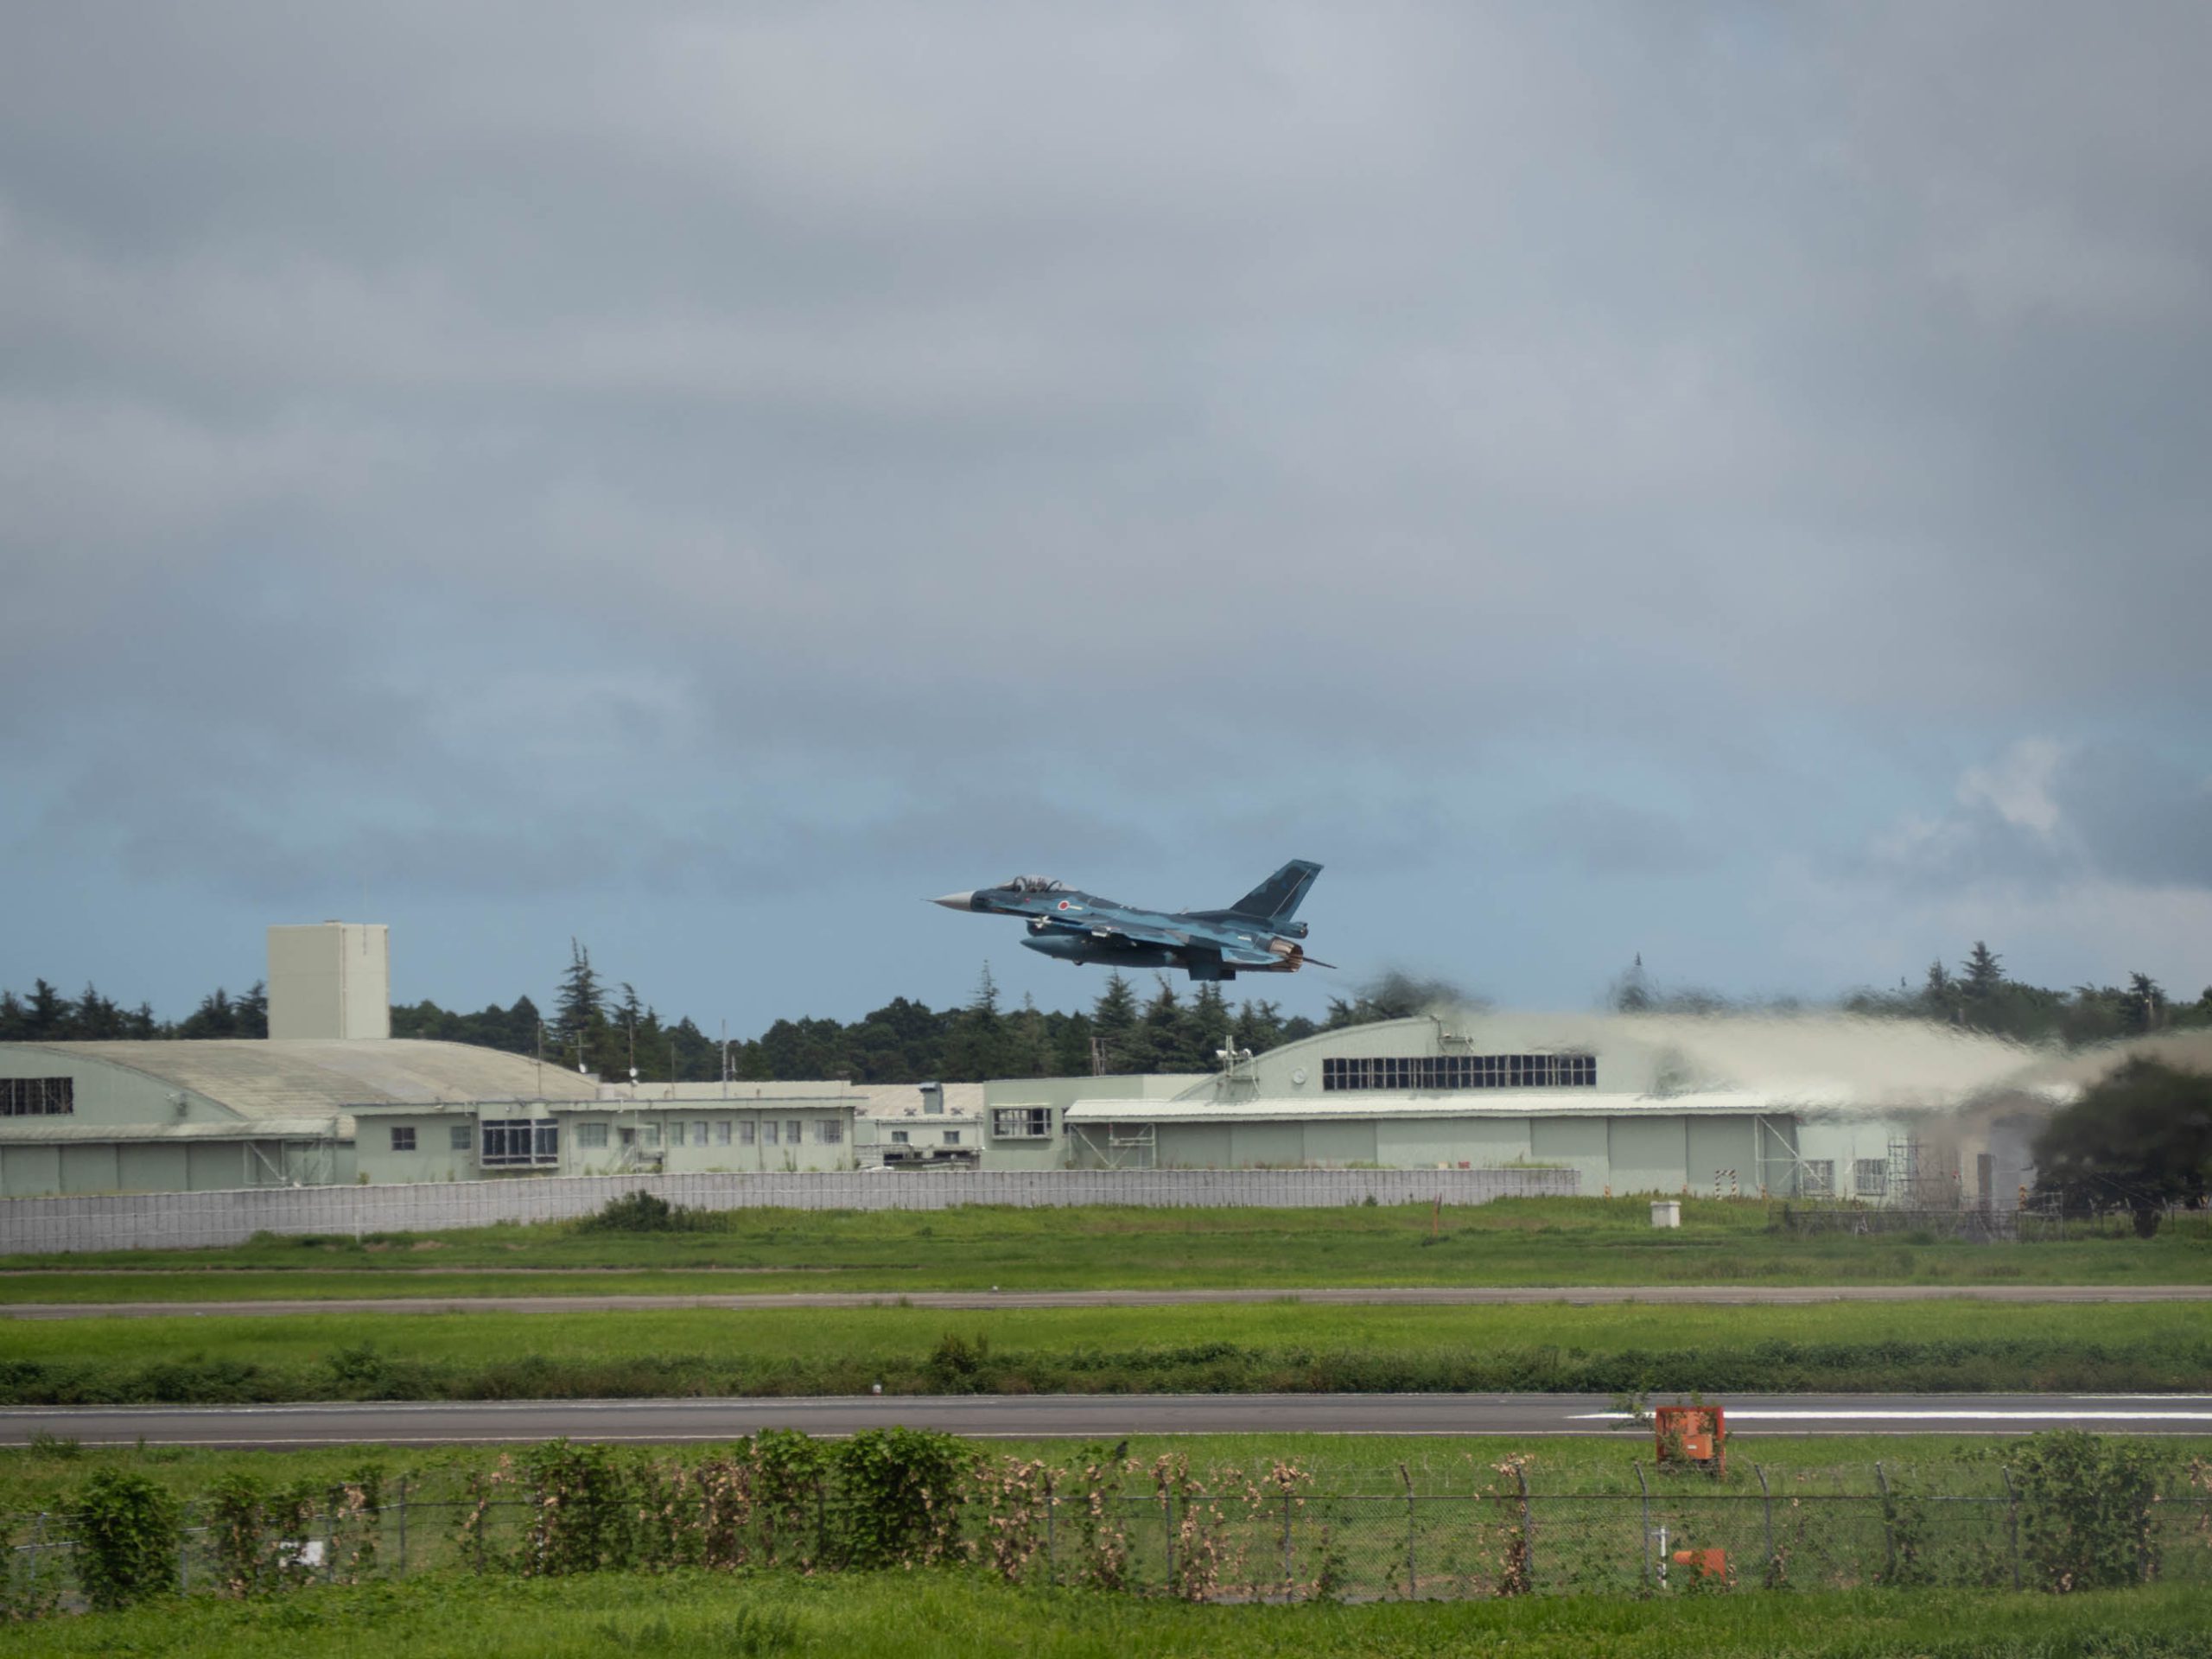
(1277, 899)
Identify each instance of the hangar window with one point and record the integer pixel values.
(791, 1130)
(1441, 1072)
(899, 1137)
(699, 1133)
(459, 1137)
(1021, 1122)
(832, 1132)
(521, 1142)
(1870, 1178)
(37, 1096)
(745, 1130)
(403, 1138)
(1819, 1178)
(592, 1135)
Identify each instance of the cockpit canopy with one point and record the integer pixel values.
(1036, 884)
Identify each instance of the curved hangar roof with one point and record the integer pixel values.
(306, 1075)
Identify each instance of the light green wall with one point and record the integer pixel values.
(1722, 1143)
(29, 1171)
(154, 1167)
(1575, 1143)
(1270, 1145)
(1340, 1144)
(1647, 1154)
(108, 1093)
(1193, 1146)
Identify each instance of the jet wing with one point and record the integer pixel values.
(1136, 933)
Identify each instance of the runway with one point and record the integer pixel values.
(1083, 1417)
(970, 1300)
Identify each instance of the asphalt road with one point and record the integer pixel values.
(1378, 1295)
(1085, 1416)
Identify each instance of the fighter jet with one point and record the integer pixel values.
(1256, 935)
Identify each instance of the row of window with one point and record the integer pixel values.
(521, 1143)
(901, 1138)
(37, 1096)
(1870, 1178)
(1463, 1071)
(721, 1132)
(537, 1140)
(1021, 1122)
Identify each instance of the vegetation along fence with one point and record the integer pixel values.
(2065, 1511)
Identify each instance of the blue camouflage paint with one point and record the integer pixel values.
(1256, 935)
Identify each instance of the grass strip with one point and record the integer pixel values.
(41, 1477)
(1518, 1241)
(1264, 1348)
(923, 1616)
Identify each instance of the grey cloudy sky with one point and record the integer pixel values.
(1722, 481)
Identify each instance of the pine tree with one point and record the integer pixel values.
(48, 1017)
(1259, 1026)
(580, 1023)
(1113, 1024)
(1163, 1038)
(1209, 1023)
(1984, 971)
(2146, 1002)
(1632, 990)
(976, 1049)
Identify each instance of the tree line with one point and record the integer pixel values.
(605, 1027)
(1978, 996)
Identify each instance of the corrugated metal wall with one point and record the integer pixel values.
(191, 1220)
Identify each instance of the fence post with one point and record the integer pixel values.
(1287, 1572)
(1888, 1532)
(1767, 1497)
(1644, 1550)
(184, 1560)
(2012, 1521)
(1051, 1544)
(1528, 1529)
(1412, 1574)
(402, 1526)
(1167, 1508)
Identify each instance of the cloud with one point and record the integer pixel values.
(2046, 812)
(845, 438)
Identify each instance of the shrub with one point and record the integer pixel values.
(2085, 1509)
(127, 1531)
(957, 1363)
(642, 1212)
(582, 1520)
(902, 1490)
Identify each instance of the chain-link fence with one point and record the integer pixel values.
(1248, 1542)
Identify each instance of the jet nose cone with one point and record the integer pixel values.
(956, 901)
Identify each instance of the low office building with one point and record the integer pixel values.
(649, 1129)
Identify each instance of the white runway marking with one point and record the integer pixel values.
(2067, 1414)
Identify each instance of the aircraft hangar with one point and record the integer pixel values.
(1795, 1106)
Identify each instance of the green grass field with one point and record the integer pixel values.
(1264, 1347)
(1518, 1241)
(927, 1615)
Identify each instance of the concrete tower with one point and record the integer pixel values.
(331, 979)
